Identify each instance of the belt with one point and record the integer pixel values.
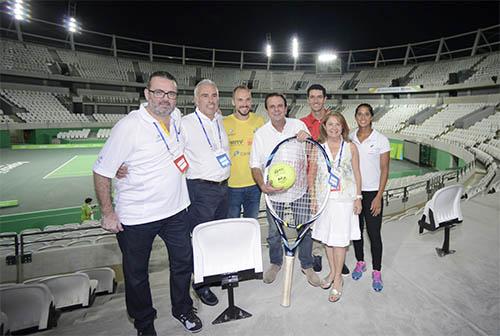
(222, 183)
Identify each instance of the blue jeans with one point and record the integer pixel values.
(276, 245)
(246, 197)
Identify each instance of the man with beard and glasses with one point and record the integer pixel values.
(316, 98)
(240, 128)
(151, 199)
(207, 151)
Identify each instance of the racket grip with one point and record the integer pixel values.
(287, 286)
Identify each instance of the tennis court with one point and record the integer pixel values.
(60, 179)
(78, 165)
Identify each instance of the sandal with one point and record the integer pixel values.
(326, 283)
(335, 294)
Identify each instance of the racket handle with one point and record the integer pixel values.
(287, 288)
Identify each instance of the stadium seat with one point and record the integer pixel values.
(228, 251)
(4, 324)
(71, 289)
(28, 306)
(443, 210)
(107, 239)
(106, 279)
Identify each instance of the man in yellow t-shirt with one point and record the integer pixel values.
(240, 128)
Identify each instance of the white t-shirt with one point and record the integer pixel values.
(203, 145)
(264, 141)
(369, 158)
(267, 137)
(154, 188)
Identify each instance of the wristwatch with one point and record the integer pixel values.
(360, 197)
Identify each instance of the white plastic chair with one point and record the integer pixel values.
(443, 210)
(28, 306)
(71, 289)
(4, 324)
(227, 250)
(106, 278)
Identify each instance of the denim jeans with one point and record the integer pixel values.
(276, 247)
(246, 197)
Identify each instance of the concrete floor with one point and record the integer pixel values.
(423, 294)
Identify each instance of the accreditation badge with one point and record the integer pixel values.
(222, 158)
(334, 181)
(181, 163)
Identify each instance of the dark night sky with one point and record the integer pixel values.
(243, 25)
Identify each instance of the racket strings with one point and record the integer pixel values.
(302, 202)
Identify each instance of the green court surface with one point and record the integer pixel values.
(78, 165)
(50, 184)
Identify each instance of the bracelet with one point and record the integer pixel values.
(360, 197)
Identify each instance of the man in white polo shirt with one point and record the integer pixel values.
(151, 200)
(207, 151)
(278, 128)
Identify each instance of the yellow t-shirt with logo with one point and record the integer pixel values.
(240, 134)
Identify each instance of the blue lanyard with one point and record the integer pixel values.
(163, 138)
(205, 131)
(340, 155)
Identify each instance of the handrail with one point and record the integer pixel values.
(306, 61)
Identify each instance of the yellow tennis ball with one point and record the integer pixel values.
(281, 175)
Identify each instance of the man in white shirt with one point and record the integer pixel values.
(266, 138)
(151, 200)
(207, 152)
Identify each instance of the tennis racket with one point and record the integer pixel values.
(300, 205)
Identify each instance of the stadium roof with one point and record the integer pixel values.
(244, 25)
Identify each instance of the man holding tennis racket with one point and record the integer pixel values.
(266, 138)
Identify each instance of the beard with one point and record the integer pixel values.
(162, 110)
(244, 114)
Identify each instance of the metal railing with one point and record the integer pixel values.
(485, 40)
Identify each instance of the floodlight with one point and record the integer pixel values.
(295, 48)
(269, 50)
(72, 25)
(327, 57)
(19, 9)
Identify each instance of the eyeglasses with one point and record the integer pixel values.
(161, 94)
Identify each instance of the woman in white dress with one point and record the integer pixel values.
(339, 222)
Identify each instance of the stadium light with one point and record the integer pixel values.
(269, 50)
(72, 25)
(327, 57)
(19, 10)
(295, 48)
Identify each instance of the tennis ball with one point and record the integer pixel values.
(281, 175)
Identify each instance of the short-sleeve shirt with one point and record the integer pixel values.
(369, 158)
(267, 137)
(205, 139)
(154, 188)
(312, 124)
(240, 134)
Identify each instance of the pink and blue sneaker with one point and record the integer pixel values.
(357, 273)
(377, 283)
